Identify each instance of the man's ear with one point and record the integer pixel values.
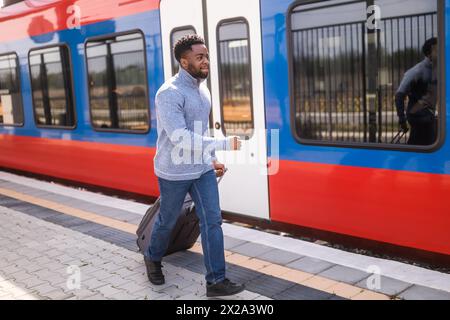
(184, 63)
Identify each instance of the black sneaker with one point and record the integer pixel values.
(154, 272)
(223, 288)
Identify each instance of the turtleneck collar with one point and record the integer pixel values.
(186, 76)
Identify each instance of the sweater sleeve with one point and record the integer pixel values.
(170, 113)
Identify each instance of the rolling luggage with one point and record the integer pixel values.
(184, 234)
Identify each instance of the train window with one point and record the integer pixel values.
(11, 111)
(235, 78)
(176, 35)
(51, 85)
(356, 80)
(118, 83)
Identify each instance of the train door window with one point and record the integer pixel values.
(51, 86)
(118, 83)
(371, 82)
(235, 78)
(11, 111)
(176, 35)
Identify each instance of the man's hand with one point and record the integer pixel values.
(404, 126)
(219, 168)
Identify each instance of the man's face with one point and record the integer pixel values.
(196, 61)
(434, 53)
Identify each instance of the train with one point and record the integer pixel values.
(308, 85)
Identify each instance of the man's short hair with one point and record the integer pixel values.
(428, 46)
(185, 44)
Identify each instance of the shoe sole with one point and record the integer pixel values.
(224, 295)
(157, 283)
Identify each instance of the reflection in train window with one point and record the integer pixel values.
(51, 85)
(176, 35)
(11, 111)
(118, 83)
(235, 78)
(360, 82)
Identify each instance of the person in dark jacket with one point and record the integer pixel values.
(419, 84)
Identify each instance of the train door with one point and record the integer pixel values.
(234, 42)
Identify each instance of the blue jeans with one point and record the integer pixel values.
(205, 193)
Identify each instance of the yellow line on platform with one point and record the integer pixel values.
(306, 279)
(82, 214)
(340, 289)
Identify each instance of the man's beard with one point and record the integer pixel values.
(198, 74)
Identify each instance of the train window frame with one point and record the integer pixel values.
(172, 44)
(19, 87)
(441, 130)
(72, 88)
(147, 91)
(219, 72)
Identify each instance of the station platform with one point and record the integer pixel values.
(58, 242)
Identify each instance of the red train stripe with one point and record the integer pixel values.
(127, 168)
(403, 208)
(22, 20)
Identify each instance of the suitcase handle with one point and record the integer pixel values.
(399, 136)
(218, 181)
(220, 178)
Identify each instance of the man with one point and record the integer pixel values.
(419, 84)
(185, 162)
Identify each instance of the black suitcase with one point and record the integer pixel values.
(184, 234)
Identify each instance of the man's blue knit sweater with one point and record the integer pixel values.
(184, 149)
